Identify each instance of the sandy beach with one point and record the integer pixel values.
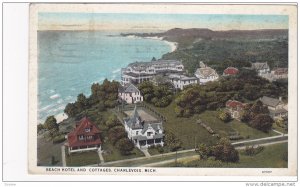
(60, 117)
(173, 45)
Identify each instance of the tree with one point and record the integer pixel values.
(225, 152)
(203, 151)
(71, 110)
(224, 116)
(172, 142)
(125, 146)
(112, 121)
(116, 133)
(51, 125)
(82, 102)
(262, 122)
(40, 127)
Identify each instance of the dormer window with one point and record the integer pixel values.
(87, 129)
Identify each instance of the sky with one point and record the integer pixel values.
(158, 22)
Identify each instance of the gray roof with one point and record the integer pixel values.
(270, 101)
(156, 136)
(260, 65)
(143, 65)
(134, 121)
(139, 137)
(128, 88)
(278, 111)
(155, 126)
(206, 72)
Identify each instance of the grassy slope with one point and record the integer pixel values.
(188, 131)
(270, 157)
(82, 159)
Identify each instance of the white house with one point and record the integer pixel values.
(261, 68)
(206, 74)
(130, 94)
(142, 133)
(180, 81)
(275, 106)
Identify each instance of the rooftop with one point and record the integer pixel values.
(270, 101)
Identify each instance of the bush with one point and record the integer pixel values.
(58, 139)
(251, 151)
(224, 116)
(125, 146)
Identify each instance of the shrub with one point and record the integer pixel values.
(58, 139)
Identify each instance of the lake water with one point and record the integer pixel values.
(69, 62)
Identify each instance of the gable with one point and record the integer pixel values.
(131, 89)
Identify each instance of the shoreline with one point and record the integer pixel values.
(61, 117)
(173, 45)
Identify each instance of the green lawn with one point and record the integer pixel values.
(154, 151)
(82, 159)
(280, 129)
(162, 157)
(189, 132)
(112, 154)
(270, 157)
(210, 117)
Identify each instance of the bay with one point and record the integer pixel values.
(69, 62)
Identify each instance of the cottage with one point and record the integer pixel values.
(143, 133)
(130, 94)
(85, 137)
(206, 74)
(275, 106)
(235, 108)
(230, 71)
(180, 81)
(280, 73)
(261, 68)
(138, 72)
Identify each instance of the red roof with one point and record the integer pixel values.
(234, 104)
(84, 128)
(231, 71)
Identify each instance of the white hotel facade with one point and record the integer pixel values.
(138, 72)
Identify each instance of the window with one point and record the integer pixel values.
(90, 137)
(87, 129)
(137, 132)
(149, 133)
(81, 137)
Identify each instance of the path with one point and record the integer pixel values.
(264, 144)
(100, 156)
(194, 157)
(278, 132)
(146, 153)
(63, 156)
(197, 156)
(260, 141)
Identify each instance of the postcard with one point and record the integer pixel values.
(163, 89)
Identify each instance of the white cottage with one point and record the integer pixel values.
(130, 94)
(206, 74)
(261, 68)
(143, 134)
(180, 81)
(276, 107)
